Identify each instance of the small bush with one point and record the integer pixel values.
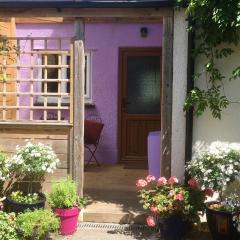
(37, 224)
(7, 226)
(64, 195)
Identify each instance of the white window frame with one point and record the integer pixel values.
(65, 99)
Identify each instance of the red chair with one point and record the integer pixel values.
(93, 127)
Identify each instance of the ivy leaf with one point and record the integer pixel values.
(235, 74)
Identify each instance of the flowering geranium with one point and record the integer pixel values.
(216, 165)
(33, 159)
(166, 197)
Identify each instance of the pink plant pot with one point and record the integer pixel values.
(68, 219)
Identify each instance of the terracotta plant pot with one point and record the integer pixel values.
(68, 219)
(220, 224)
(19, 207)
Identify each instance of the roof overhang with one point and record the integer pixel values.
(85, 4)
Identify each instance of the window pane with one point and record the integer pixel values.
(143, 84)
(52, 73)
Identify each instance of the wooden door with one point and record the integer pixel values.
(139, 103)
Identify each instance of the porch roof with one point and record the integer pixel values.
(86, 3)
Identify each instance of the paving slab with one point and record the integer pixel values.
(117, 232)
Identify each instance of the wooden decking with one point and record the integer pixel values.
(112, 191)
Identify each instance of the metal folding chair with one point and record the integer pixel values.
(92, 132)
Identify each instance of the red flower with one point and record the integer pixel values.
(193, 183)
(209, 192)
(162, 181)
(173, 180)
(179, 197)
(150, 221)
(154, 210)
(150, 178)
(141, 183)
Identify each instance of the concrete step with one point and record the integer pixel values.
(112, 213)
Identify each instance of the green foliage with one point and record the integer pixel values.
(216, 23)
(37, 224)
(64, 195)
(7, 226)
(19, 196)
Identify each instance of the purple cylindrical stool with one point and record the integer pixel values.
(154, 149)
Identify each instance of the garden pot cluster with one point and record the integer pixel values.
(23, 212)
(213, 169)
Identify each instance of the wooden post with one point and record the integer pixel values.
(166, 108)
(78, 118)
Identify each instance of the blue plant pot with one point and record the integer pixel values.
(172, 228)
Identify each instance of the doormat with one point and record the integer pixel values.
(135, 166)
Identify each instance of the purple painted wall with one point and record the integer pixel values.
(103, 41)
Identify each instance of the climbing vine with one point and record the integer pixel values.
(216, 24)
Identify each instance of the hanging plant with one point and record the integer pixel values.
(215, 24)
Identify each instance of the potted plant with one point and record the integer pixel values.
(30, 163)
(36, 225)
(214, 167)
(66, 204)
(173, 206)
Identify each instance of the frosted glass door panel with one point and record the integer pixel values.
(143, 85)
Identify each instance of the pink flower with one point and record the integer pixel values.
(154, 210)
(209, 192)
(162, 181)
(150, 221)
(150, 178)
(171, 193)
(179, 197)
(141, 183)
(193, 183)
(172, 180)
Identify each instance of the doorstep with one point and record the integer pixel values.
(112, 213)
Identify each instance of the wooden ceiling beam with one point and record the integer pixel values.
(88, 20)
(129, 13)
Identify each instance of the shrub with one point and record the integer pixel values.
(34, 159)
(64, 195)
(7, 226)
(216, 166)
(37, 224)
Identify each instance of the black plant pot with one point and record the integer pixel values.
(18, 207)
(172, 228)
(220, 224)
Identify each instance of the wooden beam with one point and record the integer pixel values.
(53, 20)
(79, 27)
(78, 118)
(166, 108)
(43, 20)
(87, 12)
